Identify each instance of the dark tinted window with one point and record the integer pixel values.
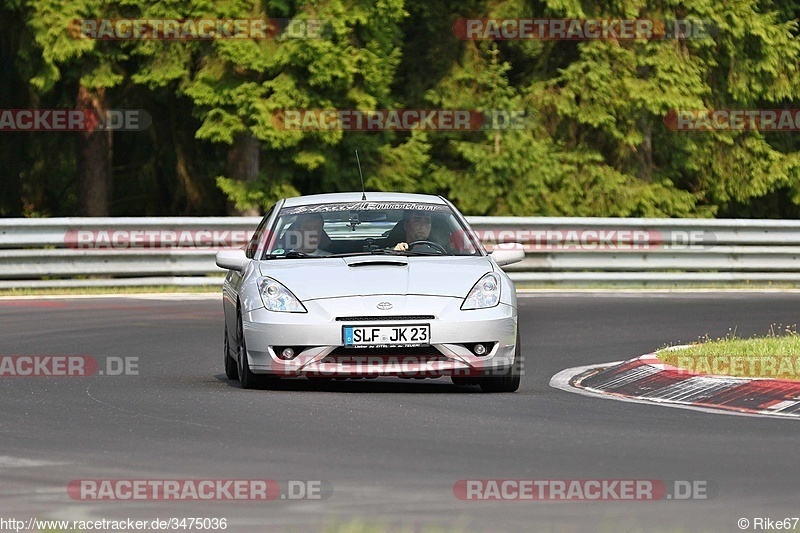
(252, 246)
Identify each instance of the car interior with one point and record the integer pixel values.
(340, 244)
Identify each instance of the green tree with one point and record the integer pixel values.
(242, 87)
(88, 69)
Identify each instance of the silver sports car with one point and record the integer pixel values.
(362, 285)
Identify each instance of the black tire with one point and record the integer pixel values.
(231, 370)
(246, 377)
(461, 381)
(508, 382)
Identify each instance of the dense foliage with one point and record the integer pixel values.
(595, 141)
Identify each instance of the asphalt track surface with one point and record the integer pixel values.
(392, 450)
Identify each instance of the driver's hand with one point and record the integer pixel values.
(401, 247)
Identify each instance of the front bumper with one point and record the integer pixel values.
(317, 337)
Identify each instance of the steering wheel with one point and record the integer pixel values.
(439, 248)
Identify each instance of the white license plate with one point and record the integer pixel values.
(380, 336)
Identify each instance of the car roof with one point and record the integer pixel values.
(333, 198)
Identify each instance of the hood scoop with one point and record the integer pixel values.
(376, 262)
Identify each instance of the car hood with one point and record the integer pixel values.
(313, 279)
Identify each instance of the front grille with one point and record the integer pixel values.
(386, 352)
(385, 317)
(419, 355)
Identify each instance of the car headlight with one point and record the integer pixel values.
(484, 294)
(276, 297)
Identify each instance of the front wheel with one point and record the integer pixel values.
(246, 377)
(231, 369)
(509, 381)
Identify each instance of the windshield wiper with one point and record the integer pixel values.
(291, 254)
(387, 251)
(356, 254)
(294, 254)
(414, 252)
(376, 251)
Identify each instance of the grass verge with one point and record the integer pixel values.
(555, 287)
(634, 286)
(216, 288)
(776, 355)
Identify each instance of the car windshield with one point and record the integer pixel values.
(359, 228)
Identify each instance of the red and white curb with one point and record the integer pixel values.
(646, 379)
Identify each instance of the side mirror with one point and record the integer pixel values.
(232, 259)
(508, 253)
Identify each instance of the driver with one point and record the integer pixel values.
(417, 225)
(306, 233)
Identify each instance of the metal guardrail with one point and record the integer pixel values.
(85, 252)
